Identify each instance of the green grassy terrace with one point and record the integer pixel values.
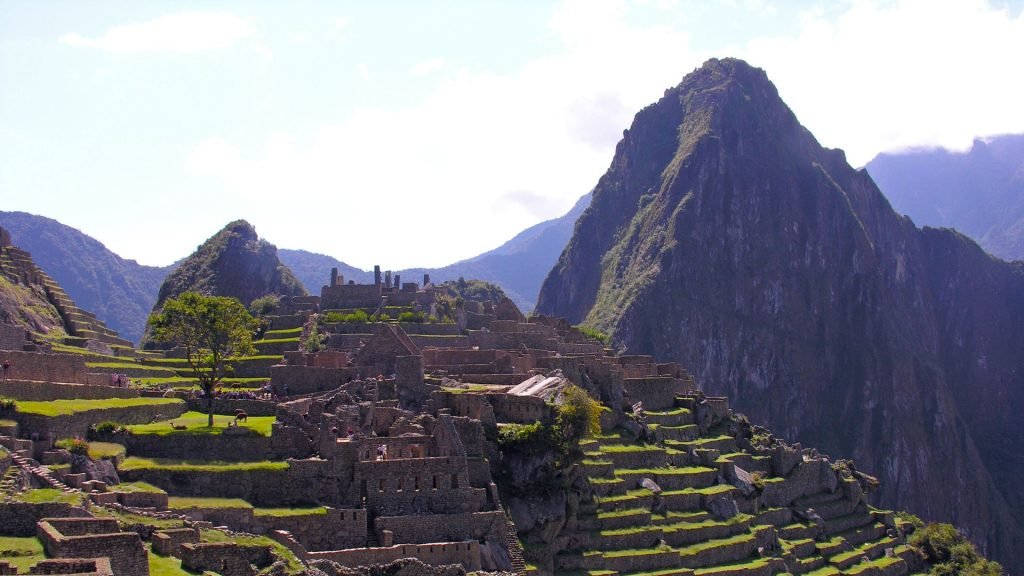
(68, 407)
(195, 424)
(137, 463)
(21, 552)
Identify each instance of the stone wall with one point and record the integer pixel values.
(477, 526)
(417, 486)
(46, 391)
(519, 409)
(45, 367)
(168, 542)
(656, 392)
(225, 558)
(94, 538)
(340, 528)
(20, 518)
(309, 379)
(72, 567)
(283, 443)
(229, 406)
(465, 553)
(12, 337)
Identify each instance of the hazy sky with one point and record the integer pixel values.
(417, 133)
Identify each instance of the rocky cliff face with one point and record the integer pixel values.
(723, 236)
(233, 262)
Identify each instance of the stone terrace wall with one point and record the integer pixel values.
(94, 538)
(12, 337)
(656, 392)
(20, 518)
(465, 553)
(519, 409)
(77, 424)
(45, 367)
(228, 406)
(72, 567)
(285, 442)
(224, 558)
(309, 379)
(336, 530)
(451, 527)
(418, 486)
(304, 482)
(31, 390)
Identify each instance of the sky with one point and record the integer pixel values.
(421, 132)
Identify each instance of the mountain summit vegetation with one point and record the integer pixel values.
(234, 262)
(724, 237)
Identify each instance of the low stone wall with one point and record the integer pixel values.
(20, 518)
(224, 558)
(72, 567)
(12, 337)
(44, 391)
(283, 443)
(477, 526)
(94, 538)
(77, 424)
(304, 482)
(44, 367)
(519, 409)
(309, 379)
(168, 542)
(439, 554)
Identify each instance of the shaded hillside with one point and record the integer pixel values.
(723, 236)
(120, 292)
(233, 262)
(518, 266)
(979, 192)
(31, 299)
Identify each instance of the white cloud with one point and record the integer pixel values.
(427, 67)
(186, 32)
(364, 71)
(892, 75)
(463, 169)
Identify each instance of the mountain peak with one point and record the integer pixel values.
(233, 262)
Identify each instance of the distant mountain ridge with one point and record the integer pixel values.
(119, 291)
(979, 192)
(518, 266)
(724, 237)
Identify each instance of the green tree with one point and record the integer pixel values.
(578, 415)
(213, 331)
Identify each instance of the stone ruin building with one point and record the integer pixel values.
(381, 448)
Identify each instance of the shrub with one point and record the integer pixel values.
(579, 415)
(7, 406)
(594, 334)
(526, 438)
(264, 305)
(105, 429)
(950, 553)
(416, 317)
(73, 445)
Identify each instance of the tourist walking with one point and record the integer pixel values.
(7, 368)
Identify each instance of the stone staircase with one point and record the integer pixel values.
(42, 473)
(515, 550)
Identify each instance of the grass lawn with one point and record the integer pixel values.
(99, 450)
(294, 566)
(166, 566)
(67, 407)
(136, 463)
(129, 366)
(195, 424)
(184, 502)
(136, 487)
(282, 512)
(21, 552)
(40, 495)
